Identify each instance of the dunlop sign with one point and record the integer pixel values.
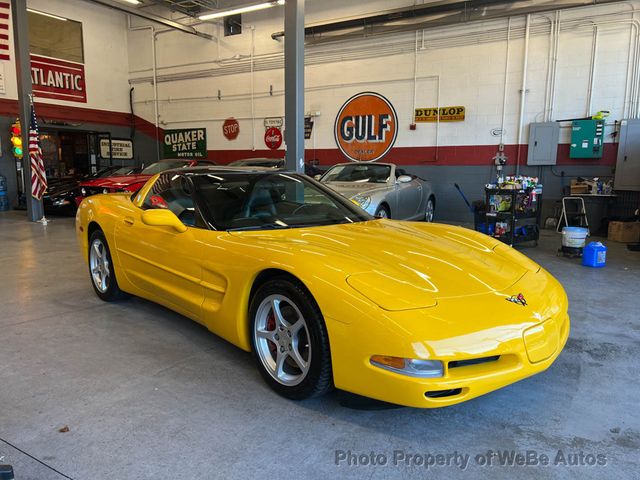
(447, 114)
(187, 143)
(366, 127)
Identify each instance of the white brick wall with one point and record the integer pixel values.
(470, 75)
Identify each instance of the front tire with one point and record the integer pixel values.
(430, 210)
(101, 271)
(383, 211)
(289, 340)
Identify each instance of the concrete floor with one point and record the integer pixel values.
(148, 394)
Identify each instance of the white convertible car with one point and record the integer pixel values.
(383, 189)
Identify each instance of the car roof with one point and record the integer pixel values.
(260, 159)
(365, 163)
(223, 169)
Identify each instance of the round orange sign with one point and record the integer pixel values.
(366, 127)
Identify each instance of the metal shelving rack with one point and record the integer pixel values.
(524, 225)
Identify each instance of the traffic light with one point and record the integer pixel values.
(16, 140)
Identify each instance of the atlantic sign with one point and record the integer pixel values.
(58, 79)
(366, 127)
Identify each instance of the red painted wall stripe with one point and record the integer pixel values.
(477, 155)
(49, 111)
(473, 155)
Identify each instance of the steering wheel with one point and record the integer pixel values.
(304, 205)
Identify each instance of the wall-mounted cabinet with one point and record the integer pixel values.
(628, 164)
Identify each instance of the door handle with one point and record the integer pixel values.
(128, 220)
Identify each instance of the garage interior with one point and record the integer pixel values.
(503, 108)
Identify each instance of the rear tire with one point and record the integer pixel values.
(101, 270)
(289, 340)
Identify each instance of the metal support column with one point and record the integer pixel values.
(294, 84)
(35, 209)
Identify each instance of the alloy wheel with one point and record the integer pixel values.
(99, 265)
(282, 340)
(428, 216)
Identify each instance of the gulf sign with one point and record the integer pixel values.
(366, 127)
(59, 79)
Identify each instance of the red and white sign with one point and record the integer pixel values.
(273, 138)
(59, 79)
(230, 128)
(4, 31)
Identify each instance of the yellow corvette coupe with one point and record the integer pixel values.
(323, 294)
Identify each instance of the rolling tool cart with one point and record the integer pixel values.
(512, 215)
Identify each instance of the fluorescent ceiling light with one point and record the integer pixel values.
(135, 2)
(236, 11)
(46, 14)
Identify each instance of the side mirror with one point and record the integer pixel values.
(317, 177)
(163, 218)
(404, 179)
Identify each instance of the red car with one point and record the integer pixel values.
(131, 183)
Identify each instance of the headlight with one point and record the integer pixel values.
(363, 200)
(61, 202)
(105, 190)
(83, 191)
(410, 366)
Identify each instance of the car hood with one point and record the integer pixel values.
(405, 265)
(118, 181)
(349, 189)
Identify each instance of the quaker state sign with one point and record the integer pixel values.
(366, 127)
(185, 143)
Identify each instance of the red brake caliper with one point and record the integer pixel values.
(271, 326)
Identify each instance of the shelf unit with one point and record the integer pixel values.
(522, 218)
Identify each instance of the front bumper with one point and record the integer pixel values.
(533, 352)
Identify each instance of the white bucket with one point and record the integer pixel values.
(574, 237)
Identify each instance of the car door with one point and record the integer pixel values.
(162, 262)
(409, 196)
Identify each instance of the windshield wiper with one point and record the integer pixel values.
(266, 226)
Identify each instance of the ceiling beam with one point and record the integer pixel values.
(152, 17)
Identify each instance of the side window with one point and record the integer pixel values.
(173, 192)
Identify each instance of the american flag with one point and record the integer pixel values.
(4, 31)
(38, 174)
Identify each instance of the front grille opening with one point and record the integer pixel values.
(443, 393)
(473, 361)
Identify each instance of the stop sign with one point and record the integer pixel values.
(231, 128)
(273, 138)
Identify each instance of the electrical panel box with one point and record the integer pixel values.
(587, 139)
(543, 143)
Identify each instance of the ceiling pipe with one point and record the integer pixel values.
(443, 13)
(152, 17)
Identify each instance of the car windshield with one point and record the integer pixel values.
(358, 172)
(162, 166)
(254, 201)
(276, 163)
